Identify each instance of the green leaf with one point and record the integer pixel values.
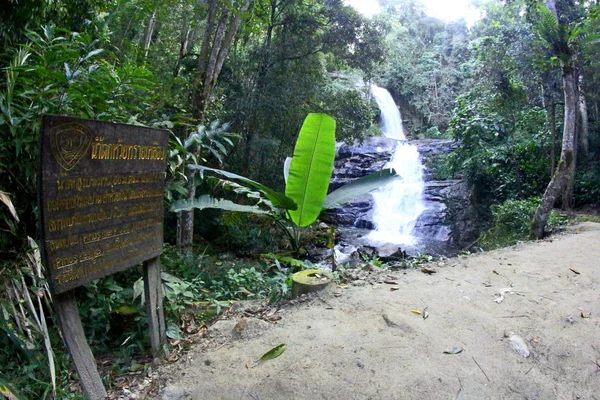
(173, 331)
(359, 187)
(278, 199)
(206, 201)
(311, 168)
(274, 352)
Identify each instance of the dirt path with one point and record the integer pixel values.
(344, 348)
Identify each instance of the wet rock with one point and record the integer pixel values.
(448, 222)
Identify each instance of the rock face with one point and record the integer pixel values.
(448, 221)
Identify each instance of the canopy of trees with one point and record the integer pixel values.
(233, 80)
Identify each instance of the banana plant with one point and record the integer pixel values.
(307, 174)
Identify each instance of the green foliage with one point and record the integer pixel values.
(308, 181)
(441, 166)
(427, 66)
(350, 107)
(512, 220)
(502, 147)
(586, 188)
(311, 168)
(246, 234)
(58, 72)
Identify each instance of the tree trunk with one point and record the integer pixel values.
(213, 52)
(149, 33)
(553, 134)
(186, 228)
(184, 40)
(561, 176)
(585, 126)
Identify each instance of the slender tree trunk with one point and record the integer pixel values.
(186, 229)
(561, 176)
(184, 40)
(585, 129)
(149, 33)
(553, 134)
(567, 198)
(213, 52)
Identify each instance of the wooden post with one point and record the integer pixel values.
(69, 320)
(154, 304)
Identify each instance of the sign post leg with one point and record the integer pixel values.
(67, 312)
(154, 304)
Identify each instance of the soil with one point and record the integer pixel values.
(362, 341)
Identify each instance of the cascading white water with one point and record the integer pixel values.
(398, 204)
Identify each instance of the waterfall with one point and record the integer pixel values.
(398, 204)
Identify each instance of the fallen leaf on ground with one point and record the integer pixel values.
(416, 312)
(425, 313)
(575, 271)
(588, 315)
(428, 271)
(274, 352)
(453, 350)
(390, 282)
(393, 288)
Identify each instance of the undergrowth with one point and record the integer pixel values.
(511, 221)
(114, 318)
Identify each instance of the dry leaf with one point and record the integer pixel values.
(390, 282)
(394, 288)
(588, 315)
(4, 198)
(416, 312)
(428, 271)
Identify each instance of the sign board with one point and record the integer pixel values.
(101, 191)
(101, 198)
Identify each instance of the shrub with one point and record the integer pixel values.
(511, 221)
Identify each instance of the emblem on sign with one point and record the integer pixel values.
(69, 143)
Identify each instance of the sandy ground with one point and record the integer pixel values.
(367, 344)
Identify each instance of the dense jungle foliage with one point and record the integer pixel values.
(233, 80)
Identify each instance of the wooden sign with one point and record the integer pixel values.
(101, 198)
(101, 206)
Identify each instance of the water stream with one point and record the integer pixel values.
(399, 204)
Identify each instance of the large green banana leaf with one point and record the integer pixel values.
(359, 187)
(206, 201)
(276, 198)
(311, 168)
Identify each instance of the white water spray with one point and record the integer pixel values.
(398, 204)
